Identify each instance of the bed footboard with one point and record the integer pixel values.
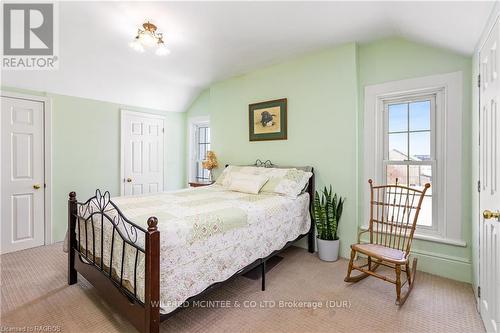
(134, 291)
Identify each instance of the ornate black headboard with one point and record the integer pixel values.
(265, 164)
(269, 164)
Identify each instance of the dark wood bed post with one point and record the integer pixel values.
(310, 236)
(72, 275)
(152, 286)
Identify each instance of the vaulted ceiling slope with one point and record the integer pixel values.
(213, 41)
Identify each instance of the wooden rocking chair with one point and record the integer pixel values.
(393, 218)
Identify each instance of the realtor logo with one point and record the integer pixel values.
(29, 36)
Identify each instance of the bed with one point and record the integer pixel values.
(209, 235)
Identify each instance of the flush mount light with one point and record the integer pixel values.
(148, 37)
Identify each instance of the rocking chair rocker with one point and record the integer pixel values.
(393, 218)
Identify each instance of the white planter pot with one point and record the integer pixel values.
(328, 250)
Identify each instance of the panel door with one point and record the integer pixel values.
(142, 153)
(22, 170)
(489, 230)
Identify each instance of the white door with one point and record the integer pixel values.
(142, 153)
(22, 170)
(489, 251)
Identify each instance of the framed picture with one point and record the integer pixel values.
(268, 120)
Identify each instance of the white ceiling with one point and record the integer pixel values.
(210, 41)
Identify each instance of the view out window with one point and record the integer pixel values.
(409, 153)
(202, 145)
(413, 131)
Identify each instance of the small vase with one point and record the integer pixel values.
(328, 250)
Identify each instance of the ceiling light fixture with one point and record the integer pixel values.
(148, 37)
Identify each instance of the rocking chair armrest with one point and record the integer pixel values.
(360, 233)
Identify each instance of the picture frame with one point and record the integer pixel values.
(268, 120)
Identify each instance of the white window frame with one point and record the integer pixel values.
(193, 124)
(434, 150)
(447, 88)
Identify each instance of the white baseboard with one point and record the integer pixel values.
(451, 267)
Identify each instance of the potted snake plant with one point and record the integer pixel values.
(326, 212)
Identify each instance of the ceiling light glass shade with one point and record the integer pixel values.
(136, 45)
(162, 49)
(147, 39)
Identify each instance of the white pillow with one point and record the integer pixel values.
(288, 182)
(246, 183)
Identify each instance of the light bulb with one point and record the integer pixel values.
(162, 49)
(147, 39)
(136, 45)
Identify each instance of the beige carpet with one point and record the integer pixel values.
(34, 292)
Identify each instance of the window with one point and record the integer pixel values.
(202, 146)
(412, 131)
(199, 144)
(409, 154)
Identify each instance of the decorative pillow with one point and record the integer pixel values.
(225, 176)
(247, 183)
(290, 181)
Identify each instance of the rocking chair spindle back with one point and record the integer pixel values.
(394, 212)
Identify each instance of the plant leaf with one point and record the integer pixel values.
(326, 211)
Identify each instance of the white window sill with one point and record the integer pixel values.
(431, 238)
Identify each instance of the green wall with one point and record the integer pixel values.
(199, 107)
(322, 121)
(397, 59)
(86, 150)
(322, 110)
(325, 112)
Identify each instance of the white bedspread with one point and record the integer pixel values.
(206, 235)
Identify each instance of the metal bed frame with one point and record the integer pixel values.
(100, 210)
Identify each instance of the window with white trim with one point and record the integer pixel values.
(413, 132)
(201, 146)
(409, 148)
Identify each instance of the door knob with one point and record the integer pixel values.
(488, 214)
(36, 186)
(129, 180)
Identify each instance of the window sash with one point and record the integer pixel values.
(432, 162)
(200, 173)
(409, 100)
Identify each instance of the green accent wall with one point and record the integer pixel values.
(325, 129)
(199, 107)
(86, 150)
(397, 59)
(321, 89)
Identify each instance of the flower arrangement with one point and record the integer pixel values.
(210, 162)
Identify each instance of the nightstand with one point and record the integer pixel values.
(200, 183)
